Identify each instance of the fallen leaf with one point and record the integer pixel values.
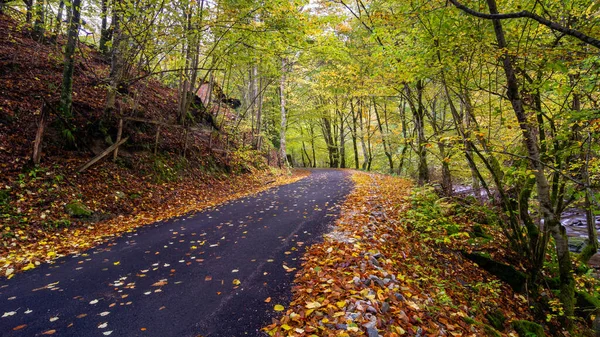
(19, 327)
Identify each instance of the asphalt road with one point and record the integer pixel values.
(180, 277)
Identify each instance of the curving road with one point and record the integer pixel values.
(180, 277)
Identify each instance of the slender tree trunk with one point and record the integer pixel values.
(104, 34)
(362, 136)
(116, 61)
(59, 17)
(39, 136)
(29, 10)
(312, 143)
(342, 141)
(551, 220)
(66, 98)
(39, 23)
(283, 126)
(386, 150)
(354, 135)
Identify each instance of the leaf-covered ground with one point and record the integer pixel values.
(382, 273)
(29, 245)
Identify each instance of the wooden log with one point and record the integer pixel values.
(39, 136)
(102, 155)
(119, 134)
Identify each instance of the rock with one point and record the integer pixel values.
(577, 244)
(341, 326)
(385, 307)
(372, 332)
(371, 325)
(400, 297)
(77, 209)
(377, 280)
(402, 316)
(528, 329)
(374, 261)
(356, 280)
(371, 309)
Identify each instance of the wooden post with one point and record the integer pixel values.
(102, 155)
(39, 136)
(156, 140)
(119, 134)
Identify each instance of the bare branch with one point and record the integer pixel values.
(527, 14)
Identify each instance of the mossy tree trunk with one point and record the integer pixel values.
(551, 220)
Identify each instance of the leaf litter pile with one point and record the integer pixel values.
(377, 274)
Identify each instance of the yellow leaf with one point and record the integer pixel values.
(278, 307)
(313, 305)
(29, 266)
(236, 282)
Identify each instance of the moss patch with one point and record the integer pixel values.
(77, 209)
(528, 329)
(506, 273)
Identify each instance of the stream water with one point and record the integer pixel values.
(573, 219)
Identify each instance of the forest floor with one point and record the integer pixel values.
(393, 266)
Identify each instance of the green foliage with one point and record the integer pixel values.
(429, 214)
(56, 224)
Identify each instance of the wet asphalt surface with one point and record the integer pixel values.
(180, 277)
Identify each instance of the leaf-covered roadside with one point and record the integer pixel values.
(32, 245)
(383, 273)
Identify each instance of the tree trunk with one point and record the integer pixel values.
(366, 163)
(386, 150)
(283, 126)
(342, 141)
(116, 62)
(551, 220)
(66, 98)
(29, 8)
(59, 15)
(39, 136)
(354, 135)
(104, 33)
(39, 23)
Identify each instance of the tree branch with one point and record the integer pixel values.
(526, 14)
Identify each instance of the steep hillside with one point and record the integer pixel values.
(52, 204)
